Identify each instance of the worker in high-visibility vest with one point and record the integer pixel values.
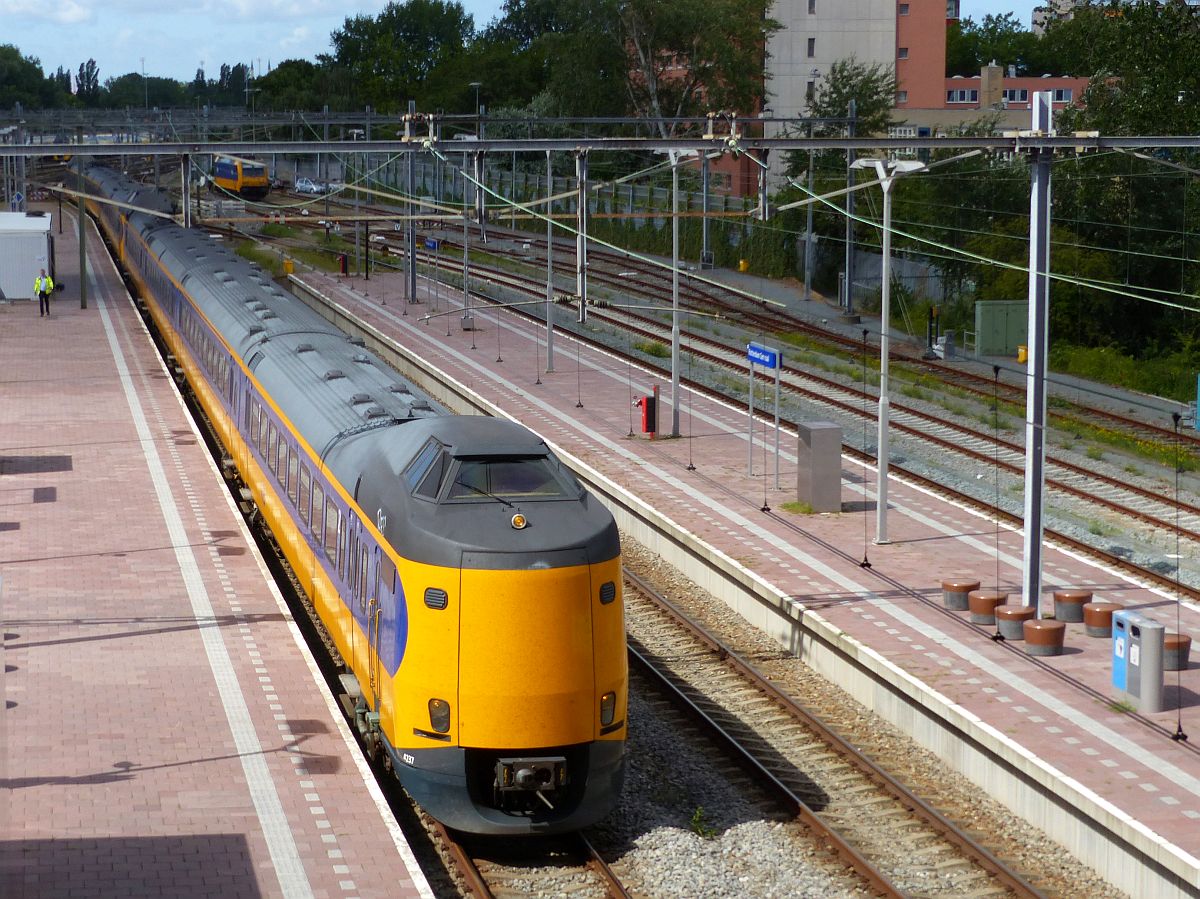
(43, 286)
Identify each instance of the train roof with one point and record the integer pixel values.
(327, 384)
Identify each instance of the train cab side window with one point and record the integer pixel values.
(424, 473)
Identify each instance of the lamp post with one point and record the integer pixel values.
(145, 86)
(888, 171)
(808, 231)
(477, 85)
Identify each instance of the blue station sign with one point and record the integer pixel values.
(431, 243)
(762, 355)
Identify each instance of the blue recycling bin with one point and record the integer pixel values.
(1137, 659)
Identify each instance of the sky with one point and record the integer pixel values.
(175, 39)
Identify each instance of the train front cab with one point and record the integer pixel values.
(533, 738)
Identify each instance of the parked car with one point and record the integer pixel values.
(308, 186)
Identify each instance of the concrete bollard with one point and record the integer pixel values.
(982, 604)
(1068, 604)
(1010, 620)
(1175, 652)
(1097, 618)
(956, 591)
(1044, 637)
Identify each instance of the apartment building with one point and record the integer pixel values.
(909, 36)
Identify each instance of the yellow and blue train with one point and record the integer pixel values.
(244, 177)
(472, 586)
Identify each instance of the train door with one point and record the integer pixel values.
(374, 612)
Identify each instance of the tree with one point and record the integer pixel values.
(391, 57)
(873, 90)
(21, 81)
(293, 84)
(87, 83)
(1145, 71)
(686, 57)
(999, 39)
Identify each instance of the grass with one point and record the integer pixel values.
(798, 508)
(1121, 706)
(269, 261)
(272, 229)
(653, 348)
(1102, 529)
(700, 826)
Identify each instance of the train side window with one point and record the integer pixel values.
(263, 430)
(261, 438)
(364, 562)
(387, 576)
(305, 494)
(281, 449)
(293, 481)
(341, 547)
(272, 446)
(251, 418)
(332, 517)
(318, 503)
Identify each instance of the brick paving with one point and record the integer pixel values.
(165, 731)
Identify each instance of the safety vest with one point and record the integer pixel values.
(43, 284)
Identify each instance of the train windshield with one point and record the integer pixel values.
(510, 479)
(249, 170)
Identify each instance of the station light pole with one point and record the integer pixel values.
(478, 125)
(888, 171)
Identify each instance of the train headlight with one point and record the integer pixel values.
(519, 521)
(608, 708)
(439, 715)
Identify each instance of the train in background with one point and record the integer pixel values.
(245, 177)
(470, 583)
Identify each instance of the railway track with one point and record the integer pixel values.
(897, 843)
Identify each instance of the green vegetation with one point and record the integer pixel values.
(654, 348)
(268, 260)
(1102, 529)
(700, 826)
(1169, 374)
(271, 229)
(797, 508)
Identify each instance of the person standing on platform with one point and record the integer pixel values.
(43, 286)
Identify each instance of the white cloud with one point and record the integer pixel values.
(299, 36)
(67, 12)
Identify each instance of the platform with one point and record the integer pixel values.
(1047, 737)
(166, 731)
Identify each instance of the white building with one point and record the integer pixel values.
(26, 247)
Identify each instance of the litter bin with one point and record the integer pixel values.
(1137, 657)
(649, 406)
(743, 265)
(1022, 353)
(288, 266)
